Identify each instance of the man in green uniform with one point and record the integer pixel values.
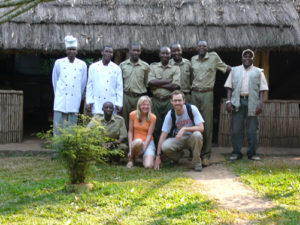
(185, 70)
(205, 66)
(114, 126)
(164, 78)
(135, 77)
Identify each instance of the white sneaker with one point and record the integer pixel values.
(130, 164)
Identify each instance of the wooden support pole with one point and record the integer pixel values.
(266, 67)
(117, 57)
(262, 60)
(257, 59)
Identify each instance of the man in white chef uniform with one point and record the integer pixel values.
(105, 83)
(69, 80)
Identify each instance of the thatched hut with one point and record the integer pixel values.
(270, 27)
(225, 24)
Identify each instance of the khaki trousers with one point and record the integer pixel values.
(205, 103)
(129, 105)
(173, 148)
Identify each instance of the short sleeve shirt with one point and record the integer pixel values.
(158, 71)
(141, 130)
(115, 128)
(185, 74)
(245, 81)
(135, 76)
(182, 121)
(204, 71)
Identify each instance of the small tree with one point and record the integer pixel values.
(79, 147)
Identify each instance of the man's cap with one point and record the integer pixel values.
(248, 50)
(70, 41)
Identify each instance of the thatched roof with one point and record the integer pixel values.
(225, 24)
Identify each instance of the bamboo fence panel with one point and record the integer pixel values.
(279, 124)
(11, 116)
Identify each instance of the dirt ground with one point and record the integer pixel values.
(224, 186)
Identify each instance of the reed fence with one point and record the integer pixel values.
(279, 124)
(11, 116)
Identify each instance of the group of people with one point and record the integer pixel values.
(179, 114)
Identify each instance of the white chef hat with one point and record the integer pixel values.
(70, 41)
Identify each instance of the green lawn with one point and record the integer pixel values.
(32, 191)
(278, 180)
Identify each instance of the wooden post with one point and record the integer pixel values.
(266, 67)
(262, 60)
(117, 57)
(257, 58)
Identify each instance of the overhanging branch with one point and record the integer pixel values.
(9, 3)
(21, 6)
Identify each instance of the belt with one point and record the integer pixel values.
(131, 94)
(244, 96)
(202, 89)
(162, 97)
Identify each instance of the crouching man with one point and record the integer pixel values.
(114, 126)
(184, 124)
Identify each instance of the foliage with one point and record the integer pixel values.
(79, 147)
(276, 180)
(32, 192)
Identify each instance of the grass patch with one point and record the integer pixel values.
(32, 191)
(278, 180)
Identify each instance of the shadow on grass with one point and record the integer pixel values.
(280, 215)
(24, 193)
(136, 202)
(281, 195)
(19, 201)
(181, 210)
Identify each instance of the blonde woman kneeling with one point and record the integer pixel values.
(140, 139)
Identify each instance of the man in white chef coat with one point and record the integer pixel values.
(105, 83)
(69, 80)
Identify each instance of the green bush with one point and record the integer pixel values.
(79, 147)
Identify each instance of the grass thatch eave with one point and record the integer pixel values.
(225, 24)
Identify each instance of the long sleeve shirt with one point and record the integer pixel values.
(69, 81)
(105, 83)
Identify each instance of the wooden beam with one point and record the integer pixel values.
(117, 57)
(266, 67)
(257, 59)
(262, 60)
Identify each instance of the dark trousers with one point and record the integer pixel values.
(160, 108)
(239, 119)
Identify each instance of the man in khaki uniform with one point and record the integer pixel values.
(205, 66)
(135, 77)
(185, 70)
(114, 126)
(163, 79)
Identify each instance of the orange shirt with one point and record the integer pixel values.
(141, 130)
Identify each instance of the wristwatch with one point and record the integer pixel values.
(227, 101)
(157, 154)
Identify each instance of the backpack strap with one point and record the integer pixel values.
(190, 113)
(173, 122)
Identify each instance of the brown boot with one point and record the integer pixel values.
(205, 162)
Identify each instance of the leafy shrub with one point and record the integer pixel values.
(79, 147)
